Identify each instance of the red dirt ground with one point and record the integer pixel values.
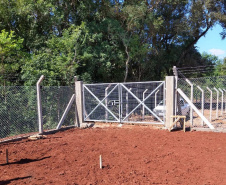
(131, 155)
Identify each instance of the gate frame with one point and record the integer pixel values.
(141, 103)
(121, 119)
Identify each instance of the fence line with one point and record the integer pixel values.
(208, 96)
(18, 109)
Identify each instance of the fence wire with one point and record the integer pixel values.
(209, 96)
(18, 109)
(54, 103)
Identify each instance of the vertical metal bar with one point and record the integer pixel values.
(76, 111)
(119, 108)
(176, 86)
(202, 103)
(164, 102)
(225, 100)
(84, 108)
(106, 103)
(222, 101)
(191, 110)
(156, 98)
(217, 102)
(143, 108)
(211, 101)
(39, 102)
(127, 102)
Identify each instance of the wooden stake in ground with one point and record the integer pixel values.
(101, 162)
(7, 157)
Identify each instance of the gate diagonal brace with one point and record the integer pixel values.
(100, 102)
(142, 102)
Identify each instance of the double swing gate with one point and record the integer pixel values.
(125, 102)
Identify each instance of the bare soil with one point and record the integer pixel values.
(131, 155)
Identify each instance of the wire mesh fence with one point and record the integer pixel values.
(208, 94)
(18, 109)
(54, 103)
(124, 102)
(18, 114)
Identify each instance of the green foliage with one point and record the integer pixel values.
(10, 51)
(102, 41)
(220, 67)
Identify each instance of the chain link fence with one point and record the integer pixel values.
(208, 94)
(18, 109)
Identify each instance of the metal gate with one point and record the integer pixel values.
(135, 102)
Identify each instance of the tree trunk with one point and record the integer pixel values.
(127, 63)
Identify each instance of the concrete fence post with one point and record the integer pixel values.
(79, 102)
(39, 103)
(170, 99)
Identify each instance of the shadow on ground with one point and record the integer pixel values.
(15, 179)
(25, 161)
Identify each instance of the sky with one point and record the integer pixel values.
(212, 43)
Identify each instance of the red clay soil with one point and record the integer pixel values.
(131, 155)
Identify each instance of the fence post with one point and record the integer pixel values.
(170, 99)
(39, 102)
(222, 101)
(225, 100)
(106, 103)
(211, 101)
(202, 104)
(143, 112)
(217, 102)
(127, 103)
(79, 102)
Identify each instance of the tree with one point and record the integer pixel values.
(9, 51)
(220, 68)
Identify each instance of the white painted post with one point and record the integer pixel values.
(101, 166)
(191, 111)
(211, 101)
(39, 102)
(202, 102)
(79, 102)
(225, 101)
(217, 102)
(76, 111)
(176, 84)
(222, 101)
(170, 99)
(106, 103)
(143, 113)
(120, 103)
